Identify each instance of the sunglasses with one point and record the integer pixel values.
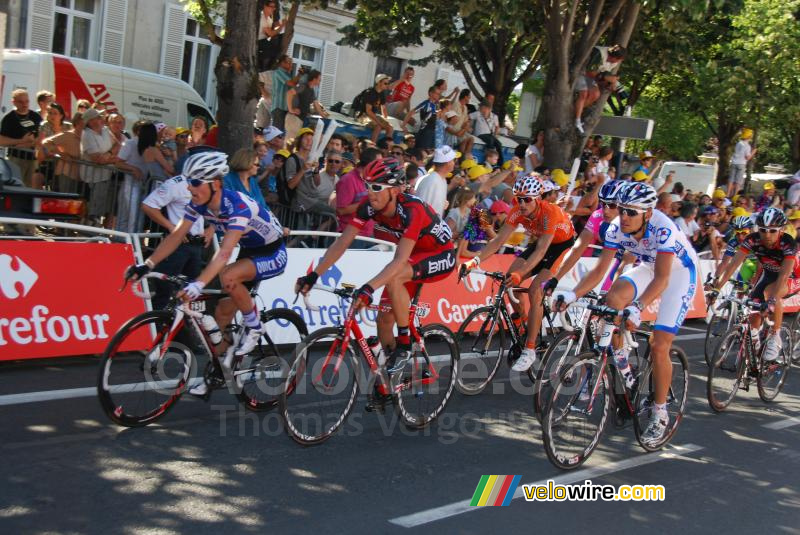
(397, 153)
(334, 161)
(744, 231)
(377, 188)
(196, 182)
(631, 212)
(610, 205)
(769, 230)
(525, 200)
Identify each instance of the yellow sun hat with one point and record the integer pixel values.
(719, 193)
(769, 186)
(477, 171)
(467, 164)
(507, 166)
(303, 131)
(739, 211)
(559, 177)
(639, 176)
(747, 133)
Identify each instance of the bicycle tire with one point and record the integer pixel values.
(773, 372)
(795, 332)
(717, 328)
(553, 360)
(479, 355)
(124, 374)
(308, 430)
(410, 402)
(258, 383)
(723, 365)
(566, 403)
(676, 398)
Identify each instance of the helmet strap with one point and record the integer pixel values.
(213, 192)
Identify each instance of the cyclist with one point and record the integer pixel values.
(776, 253)
(593, 232)
(262, 253)
(554, 234)
(424, 251)
(667, 269)
(742, 226)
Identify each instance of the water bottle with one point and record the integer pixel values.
(376, 349)
(211, 328)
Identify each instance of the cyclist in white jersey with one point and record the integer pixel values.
(667, 269)
(245, 223)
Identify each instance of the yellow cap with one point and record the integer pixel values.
(559, 177)
(719, 193)
(181, 130)
(768, 186)
(639, 176)
(347, 169)
(735, 198)
(303, 131)
(477, 171)
(507, 166)
(739, 211)
(747, 133)
(283, 152)
(795, 214)
(469, 163)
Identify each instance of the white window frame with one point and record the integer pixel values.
(211, 89)
(310, 42)
(71, 13)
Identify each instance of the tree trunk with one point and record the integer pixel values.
(794, 150)
(726, 134)
(237, 76)
(558, 121)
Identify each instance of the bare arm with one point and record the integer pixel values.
(156, 215)
(392, 269)
(596, 275)
(337, 249)
(730, 268)
(492, 247)
(584, 240)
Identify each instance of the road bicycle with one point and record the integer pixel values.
(321, 386)
(725, 313)
(739, 360)
(587, 391)
(150, 361)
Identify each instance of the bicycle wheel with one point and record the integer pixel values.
(677, 396)
(721, 323)
(319, 388)
(726, 370)
(481, 350)
(143, 370)
(558, 356)
(772, 375)
(795, 332)
(574, 420)
(259, 375)
(422, 388)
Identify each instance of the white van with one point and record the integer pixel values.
(696, 177)
(134, 93)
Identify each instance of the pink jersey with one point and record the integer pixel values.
(593, 226)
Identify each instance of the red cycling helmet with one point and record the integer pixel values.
(384, 171)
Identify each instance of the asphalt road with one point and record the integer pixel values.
(212, 467)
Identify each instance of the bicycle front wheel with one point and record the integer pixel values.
(574, 420)
(258, 376)
(721, 323)
(319, 388)
(560, 355)
(481, 340)
(772, 374)
(677, 396)
(795, 335)
(143, 370)
(422, 388)
(725, 373)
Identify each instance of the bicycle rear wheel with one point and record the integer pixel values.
(258, 376)
(481, 350)
(795, 332)
(319, 388)
(725, 373)
(772, 375)
(721, 323)
(676, 398)
(422, 388)
(574, 420)
(559, 355)
(143, 370)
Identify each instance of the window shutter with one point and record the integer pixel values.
(41, 25)
(172, 47)
(115, 15)
(327, 85)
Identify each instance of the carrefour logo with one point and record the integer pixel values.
(15, 275)
(475, 282)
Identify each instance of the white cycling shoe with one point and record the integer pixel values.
(249, 340)
(656, 429)
(526, 359)
(772, 348)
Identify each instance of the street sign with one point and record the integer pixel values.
(624, 127)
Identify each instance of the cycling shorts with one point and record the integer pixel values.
(427, 267)
(552, 257)
(767, 278)
(269, 260)
(676, 298)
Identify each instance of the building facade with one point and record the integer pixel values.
(160, 37)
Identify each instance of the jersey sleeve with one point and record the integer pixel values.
(731, 247)
(611, 240)
(666, 240)
(593, 224)
(747, 244)
(362, 216)
(192, 213)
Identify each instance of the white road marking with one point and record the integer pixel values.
(70, 393)
(458, 508)
(783, 424)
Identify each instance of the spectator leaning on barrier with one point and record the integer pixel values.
(350, 192)
(173, 196)
(242, 175)
(19, 129)
(432, 188)
(269, 184)
(67, 146)
(97, 145)
(55, 123)
(181, 142)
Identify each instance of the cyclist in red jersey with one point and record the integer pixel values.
(424, 251)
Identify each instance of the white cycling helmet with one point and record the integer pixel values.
(548, 186)
(742, 222)
(528, 186)
(638, 195)
(205, 166)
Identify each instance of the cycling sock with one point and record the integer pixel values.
(661, 409)
(403, 336)
(251, 319)
(530, 343)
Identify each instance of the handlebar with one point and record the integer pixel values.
(496, 275)
(608, 312)
(344, 293)
(175, 280)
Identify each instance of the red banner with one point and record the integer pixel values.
(60, 299)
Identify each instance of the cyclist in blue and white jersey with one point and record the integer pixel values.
(254, 228)
(667, 270)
